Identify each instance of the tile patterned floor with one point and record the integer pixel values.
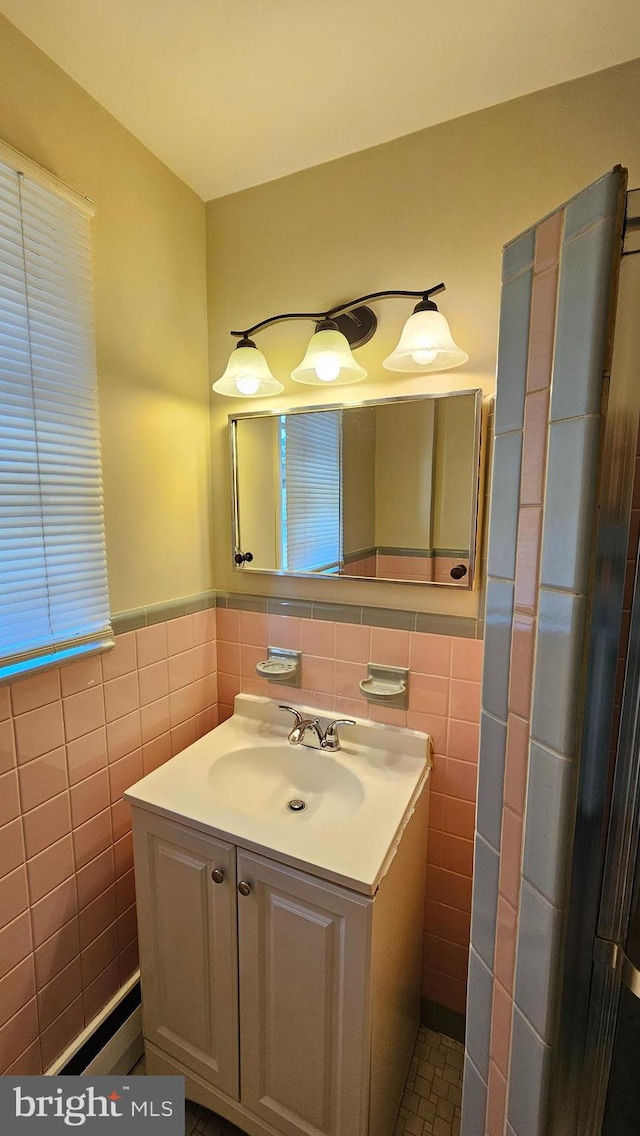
(430, 1105)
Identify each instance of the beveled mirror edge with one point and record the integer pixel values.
(474, 535)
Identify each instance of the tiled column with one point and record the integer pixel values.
(553, 343)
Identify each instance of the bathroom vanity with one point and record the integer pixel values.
(280, 950)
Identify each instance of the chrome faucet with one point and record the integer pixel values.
(328, 739)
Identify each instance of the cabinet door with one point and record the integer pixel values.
(188, 947)
(304, 1000)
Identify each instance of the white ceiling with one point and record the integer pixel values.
(231, 93)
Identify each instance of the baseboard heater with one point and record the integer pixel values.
(112, 1042)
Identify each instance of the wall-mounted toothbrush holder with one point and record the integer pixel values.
(388, 686)
(280, 666)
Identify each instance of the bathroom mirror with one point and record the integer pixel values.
(382, 490)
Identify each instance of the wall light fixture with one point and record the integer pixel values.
(426, 344)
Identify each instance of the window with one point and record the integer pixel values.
(310, 451)
(54, 601)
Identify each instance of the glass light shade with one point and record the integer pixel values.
(426, 344)
(328, 361)
(247, 375)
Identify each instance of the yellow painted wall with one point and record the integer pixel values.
(436, 205)
(358, 479)
(258, 491)
(404, 469)
(454, 471)
(150, 293)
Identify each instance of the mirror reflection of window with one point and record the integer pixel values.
(311, 497)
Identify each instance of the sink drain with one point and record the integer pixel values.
(296, 805)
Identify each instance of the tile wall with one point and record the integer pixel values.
(553, 348)
(444, 702)
(71, 741)
(74, 738)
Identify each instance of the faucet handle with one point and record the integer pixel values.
(297, 715)
(331, 739)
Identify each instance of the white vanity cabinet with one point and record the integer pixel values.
(289, 1003)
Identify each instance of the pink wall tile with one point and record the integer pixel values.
(50, 868)
(39, 731)
(317, 674)
(94, 919)
(56, 952)
(12, 853)
(501, 1027)
(156, 752)
(14, 898)
(228, 624)
(181, 670)
(82, 675)
(95, 877)
(86, 755)
(120, 818)
(102, 950)
(128, 960)
(541, 341)
(9, 797)
(204, 626)
(229, 658)
(457, 855)
(5, 703)
(389, 647)
(534, 447)
(124, 735)
(496, 1101)
(154, 720)
(42, 778)
(51, 913)
(124, 773)
(17, 988)
(179, 634)
(317, 638)
(17, 1035)
(46, 824)
(528, 558)
(432, 724)
(93, 836)
(181, 705)
(352, 643)
(83, 712)
(521, 669)
(254, 628)
(183, 735)
(7, 746)
(505, 950)
(15, 943)
(153, 682)
(463, 740)
(151, 644)
(89, 797)
(284, 631)
(510, 856)
(466, 659)
(120, 696)
(39, 690)
(29, 1063)
(548, 240)
(122, 659)
(516, 764)
(459, 817)
(429, 694)
(465, 700)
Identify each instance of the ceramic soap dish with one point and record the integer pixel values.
(280, 666)
(387, 686)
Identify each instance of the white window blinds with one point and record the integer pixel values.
(54, 600)
(311, 495)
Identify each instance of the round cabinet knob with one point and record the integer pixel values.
(244, 887)
(458, 572)
(217, 875)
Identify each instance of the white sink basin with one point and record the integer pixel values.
(262, 780)
(237, 781)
